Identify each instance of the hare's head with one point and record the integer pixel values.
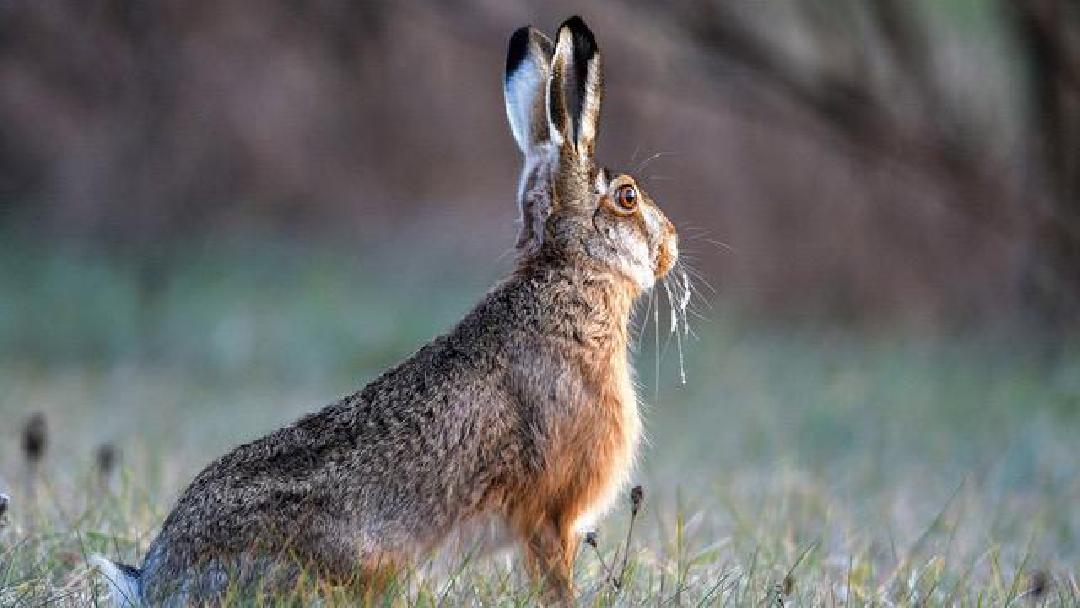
(571, 207)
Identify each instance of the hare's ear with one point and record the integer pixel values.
(528, 70)
(528, 65)
(575, 88)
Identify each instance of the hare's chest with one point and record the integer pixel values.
(616, 450)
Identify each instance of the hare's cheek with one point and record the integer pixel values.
(625, 247)
(637, 261)
(631, 253)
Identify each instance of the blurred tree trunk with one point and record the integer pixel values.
(1048, 31)
(873, 77)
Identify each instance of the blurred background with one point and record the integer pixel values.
(869, 161)
(217, 215)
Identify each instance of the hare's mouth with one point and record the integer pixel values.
(666, 256)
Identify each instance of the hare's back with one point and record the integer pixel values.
(396, 463)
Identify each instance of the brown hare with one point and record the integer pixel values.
(524, 412)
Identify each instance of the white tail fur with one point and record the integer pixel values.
(123, 581)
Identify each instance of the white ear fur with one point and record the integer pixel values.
(528, 71)
(528, 67)
(576, 88)
(589, 119)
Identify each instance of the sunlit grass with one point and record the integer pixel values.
(802, 466)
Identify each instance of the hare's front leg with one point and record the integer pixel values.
(550, 550)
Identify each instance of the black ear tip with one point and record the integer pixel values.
(576, 24)
(519, 48)
(582, 36)
(577, 27)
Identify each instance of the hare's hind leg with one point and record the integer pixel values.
(550, 548)
(377, 579)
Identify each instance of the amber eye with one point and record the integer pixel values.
(626, 196)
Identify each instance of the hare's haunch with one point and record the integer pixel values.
(525, 411)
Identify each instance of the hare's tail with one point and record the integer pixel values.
(123, 581)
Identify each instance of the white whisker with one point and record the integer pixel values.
(643, 321)
(684, 300)
(647, 161)
(700, 277)
(673, 323)
(656, 345)
(721, 245)
(674, 329)
(699, 315)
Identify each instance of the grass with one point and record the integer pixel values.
(797, 466)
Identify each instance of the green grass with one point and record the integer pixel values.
(888, 467)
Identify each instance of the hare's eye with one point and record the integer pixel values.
(626, 196)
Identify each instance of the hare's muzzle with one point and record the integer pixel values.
(668, 251)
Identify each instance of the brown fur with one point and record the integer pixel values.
(524, 411)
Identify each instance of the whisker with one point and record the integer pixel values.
(671, 304)
(684, 265)
(656, 345)
(647, 161)
(684, 299)
(674, 327)
(682, 361)
(697, 274)
(703, 235)
(684, 226)
(721, 245)
(506, 253)
(699, 315)
(667, 339)
(645, 319)
(701, 298)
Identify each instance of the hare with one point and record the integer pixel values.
(524, 412)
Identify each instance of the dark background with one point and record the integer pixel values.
(869, 162)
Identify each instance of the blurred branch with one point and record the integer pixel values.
(903, 112)
(848, 102)
(1049, 33)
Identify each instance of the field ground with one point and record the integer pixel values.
(797, 465)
